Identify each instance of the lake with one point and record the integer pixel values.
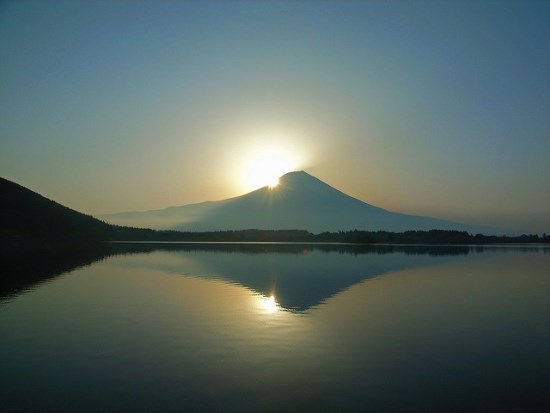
(277, 328)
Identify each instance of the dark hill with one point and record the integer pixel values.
(31, 220)
(24, 214)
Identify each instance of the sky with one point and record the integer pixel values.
(435, 108)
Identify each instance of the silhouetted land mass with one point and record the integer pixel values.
(433, 237)
(299, 201)
(32, 221)
(30, 216)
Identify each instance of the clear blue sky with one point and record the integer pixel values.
(433, 108)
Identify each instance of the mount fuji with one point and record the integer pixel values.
(299, 201)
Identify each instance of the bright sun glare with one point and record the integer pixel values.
(264, 156)
(265, 170)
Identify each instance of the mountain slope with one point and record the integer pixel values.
(31, 220)
(300, 201)
(26, 214)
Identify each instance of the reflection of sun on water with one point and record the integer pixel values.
(268, 304)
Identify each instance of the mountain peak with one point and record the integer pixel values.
(297, 177)
(295, 173)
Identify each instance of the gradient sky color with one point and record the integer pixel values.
(431, 108)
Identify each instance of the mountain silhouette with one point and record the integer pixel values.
(300, 201)
(24, 214)
(30, 220)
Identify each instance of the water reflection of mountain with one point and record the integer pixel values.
(300, 276)
(23, 268)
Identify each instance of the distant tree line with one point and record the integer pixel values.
(437, 237)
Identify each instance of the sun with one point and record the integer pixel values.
(264, 169)
(261, 158)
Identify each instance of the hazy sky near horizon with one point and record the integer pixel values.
(434, 108)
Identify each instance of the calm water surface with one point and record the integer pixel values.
(283, 329)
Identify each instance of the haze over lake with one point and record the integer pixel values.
(291, 328)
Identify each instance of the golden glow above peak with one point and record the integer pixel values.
(264, 155)
(265, 166)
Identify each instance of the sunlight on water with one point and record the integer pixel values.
(268, 304)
